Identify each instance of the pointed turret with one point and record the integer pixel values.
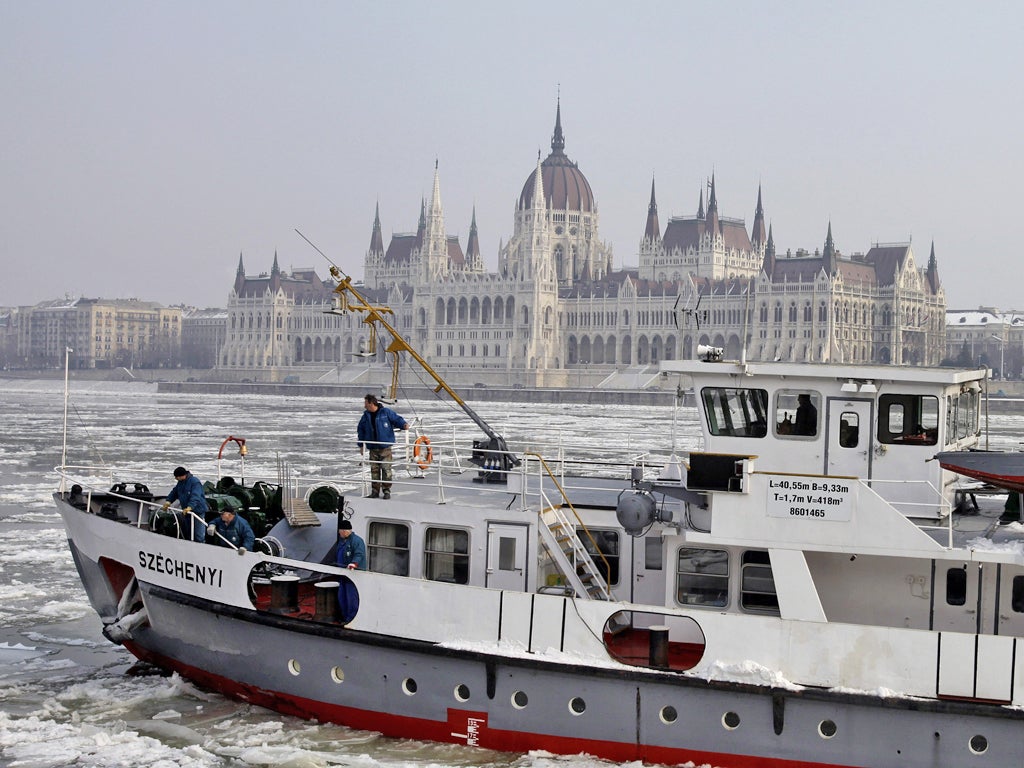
(828, 255)
(757, 234)
(932, 273)
(239, 274)
(538, 181)
(712, 217)
(557, 139)
(275, 275)
(700, 205)
(473, 257)
(652, 233)
(376, 239)
(435, 245)
(768, 265)
(421, 228)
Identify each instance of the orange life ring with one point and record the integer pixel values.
(422, 453)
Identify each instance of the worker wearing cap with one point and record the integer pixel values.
(188, 492)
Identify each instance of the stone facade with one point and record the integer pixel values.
(557, 312)
(104, 333)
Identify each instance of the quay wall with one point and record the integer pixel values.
(472, 394)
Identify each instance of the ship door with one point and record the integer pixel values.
(506, 556)
(849, 438)
(971, 665)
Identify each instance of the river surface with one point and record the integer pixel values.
(66, 695)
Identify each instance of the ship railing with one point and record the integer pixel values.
(453, 455)
(920, 512)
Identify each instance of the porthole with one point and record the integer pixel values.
(979, 744)
(827, 729)
(409, 686)
(294, 667)
(577, 705)
(520, 700)
(731, 721)
(337, 674)
(462, 692)
(668, 714)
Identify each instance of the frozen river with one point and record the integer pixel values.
(65, 697)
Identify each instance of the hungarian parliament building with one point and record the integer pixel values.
(557, 309)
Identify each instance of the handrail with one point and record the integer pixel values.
(561, 490)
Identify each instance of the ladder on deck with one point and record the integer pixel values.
(298, 513)
(296, 509)
(558, 533)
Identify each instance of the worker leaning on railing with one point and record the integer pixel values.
(188, 492)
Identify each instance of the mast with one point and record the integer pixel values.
(64, 443)
(352, 299)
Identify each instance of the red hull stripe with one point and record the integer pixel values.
(461, 726)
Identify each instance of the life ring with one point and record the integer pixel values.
(422, 453)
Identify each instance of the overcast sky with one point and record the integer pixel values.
(143, 146)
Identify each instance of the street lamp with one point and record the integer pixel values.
(1002, 346)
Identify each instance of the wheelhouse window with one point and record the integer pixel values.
(603, 547)
(962, 415)
(796, 413)
(757, 590)
(908, 419)
(387, 547)
(734, 412)
(446, 555)
(702, 577)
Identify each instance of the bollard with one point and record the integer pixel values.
(326, 601)
(658, 656)
(284, 593)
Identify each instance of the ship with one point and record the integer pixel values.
(807, 589)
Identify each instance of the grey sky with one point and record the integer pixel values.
(144, 145)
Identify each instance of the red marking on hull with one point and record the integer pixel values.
(461, 726)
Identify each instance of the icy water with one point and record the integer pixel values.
(65, 697)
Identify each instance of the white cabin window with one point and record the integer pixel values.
(702, 577)
(961, 415)
(757, 590)
(956, 586)
(908, 419)
(446, 555)
(849, 429)
(387, 547)
(796, 413)
(1017, 595)
(733, 412)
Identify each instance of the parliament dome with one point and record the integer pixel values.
(565, 186)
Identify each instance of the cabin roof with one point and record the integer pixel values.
(823, 372)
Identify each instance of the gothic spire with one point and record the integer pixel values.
(828, 256)
(557, 139)
(275, 270)
(473, 245)
(421, 228)
(700, 204)
(712, 217)
(757, 235)
(376, 239)
(241, 266)
(932, 273)
(653, 230)
(768, 265)
(538, 185)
